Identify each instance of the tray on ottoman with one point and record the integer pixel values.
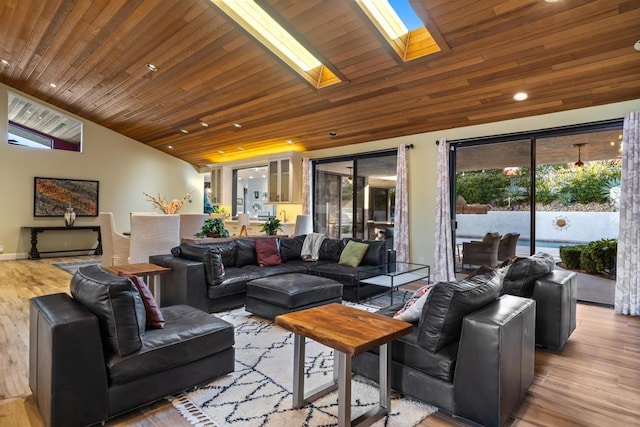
(269, 297)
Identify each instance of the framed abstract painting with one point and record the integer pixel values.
(52, 196)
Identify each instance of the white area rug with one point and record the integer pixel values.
(258, 392)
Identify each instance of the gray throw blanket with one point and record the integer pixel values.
(311, 246)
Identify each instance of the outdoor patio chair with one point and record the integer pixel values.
(483, 252)
(507, 246)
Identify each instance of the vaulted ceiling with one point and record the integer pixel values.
(566, 54)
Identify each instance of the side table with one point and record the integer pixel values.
(349, 331)
(152, 273)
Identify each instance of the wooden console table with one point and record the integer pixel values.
(35, 254)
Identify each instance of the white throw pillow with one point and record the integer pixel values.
(412, 309)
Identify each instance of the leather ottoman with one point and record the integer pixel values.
(269, 297)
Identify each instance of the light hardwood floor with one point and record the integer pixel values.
(595, 381)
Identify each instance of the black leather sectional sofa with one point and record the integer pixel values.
(197, 278)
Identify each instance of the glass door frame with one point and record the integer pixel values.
(346, 158)
(532, 136)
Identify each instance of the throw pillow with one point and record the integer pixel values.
(412, 309)
(245, 252)
(117, 304)
(353, 253)
(155, 319)
(267, 252)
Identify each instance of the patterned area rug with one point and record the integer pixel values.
(258, 392)
(72, 267)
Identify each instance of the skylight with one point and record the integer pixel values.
(250, 16)
(406, 14)
(386, 16)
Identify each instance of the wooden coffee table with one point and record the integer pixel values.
(152, 272)
(349, 331)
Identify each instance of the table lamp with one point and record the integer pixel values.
(304, 225)
(243, 220)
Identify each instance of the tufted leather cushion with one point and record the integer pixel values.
(198, 253)
(245, 252)
(290, 249)
(522, 274)
(330, 250)
(117, 304)
(228, 252)
(190, 335)
(449, 302)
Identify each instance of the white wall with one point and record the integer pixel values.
(423, 160)
(124, 167)
(581, 227)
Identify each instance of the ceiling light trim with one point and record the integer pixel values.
(407, 44)
(265, 29)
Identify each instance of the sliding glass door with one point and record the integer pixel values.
(570, 198)
(355, 196)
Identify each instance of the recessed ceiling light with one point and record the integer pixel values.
(289, 142)
(520, 96)
(204, 124)
(332, 133)
(237, 125)
(240, 148)
(220, 152)
(152, 67)
(250, 176)
(184, 131)
(5, 62)
(170, 147)
(551, 1)
(635, 46)
(53, 85)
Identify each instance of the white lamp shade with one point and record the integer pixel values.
(243, 219)
(304, 225)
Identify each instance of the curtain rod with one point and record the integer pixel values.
(409, 147)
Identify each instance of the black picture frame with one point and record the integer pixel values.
(52, 196)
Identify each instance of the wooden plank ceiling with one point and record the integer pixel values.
(566, 55)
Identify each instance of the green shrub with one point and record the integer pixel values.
(482, 186)
(600, 256)
(594, 257)
(570, 255)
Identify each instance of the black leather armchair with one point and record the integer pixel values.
(481, 377)
(78, 379)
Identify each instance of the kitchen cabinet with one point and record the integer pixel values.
(284, 175)
(216, 186)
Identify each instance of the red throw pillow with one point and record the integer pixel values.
(267, 252)
(155, 319)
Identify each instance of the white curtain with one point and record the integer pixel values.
(443, 262)
(627, 299)
(401, 216)
(306, 186)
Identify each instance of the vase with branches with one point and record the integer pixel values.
(172, 207)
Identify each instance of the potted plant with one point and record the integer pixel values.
(213, 227)
(271, 226)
